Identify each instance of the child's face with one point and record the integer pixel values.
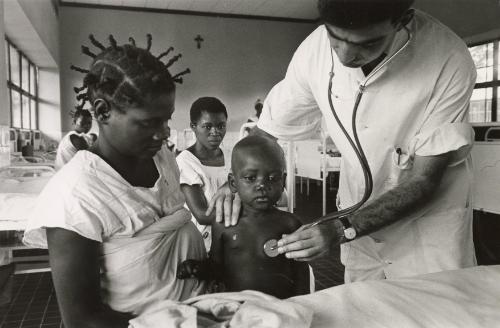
(83, 124)
(140, 132)
(258, 179)
(210, 129)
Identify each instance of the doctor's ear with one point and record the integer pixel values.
(232, 183)
(284, 180)
(102, 110)
(405, 19)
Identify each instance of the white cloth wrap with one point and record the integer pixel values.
(139, 272)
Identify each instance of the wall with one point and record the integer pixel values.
(44, 20)
(49, 106)
(473, 20)
(239, 61)
(4, 99)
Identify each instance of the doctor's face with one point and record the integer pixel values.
(359, 47)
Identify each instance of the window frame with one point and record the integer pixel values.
(32, 95)
(494, 84)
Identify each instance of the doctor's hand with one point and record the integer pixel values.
(309, 243)
(227, 206)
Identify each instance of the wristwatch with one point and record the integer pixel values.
(349, 231)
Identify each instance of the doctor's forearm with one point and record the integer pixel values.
(393, 205)
(410, 195)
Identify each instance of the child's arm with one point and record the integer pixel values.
(197, 203)
(209, 269)
(217, 251)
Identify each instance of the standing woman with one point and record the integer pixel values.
(113, 218)
(203, 166)
(75, 140)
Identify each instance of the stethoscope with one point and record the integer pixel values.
(271, 246)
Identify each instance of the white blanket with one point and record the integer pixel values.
(466, 298)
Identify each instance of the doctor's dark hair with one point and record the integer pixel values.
(353, 14)
(206, 104)
(125, 75)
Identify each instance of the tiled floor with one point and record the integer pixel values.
(33, 302)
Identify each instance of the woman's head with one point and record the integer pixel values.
(82, 120)
(132, 94)
(208, 121)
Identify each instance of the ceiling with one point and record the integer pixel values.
(291, 9)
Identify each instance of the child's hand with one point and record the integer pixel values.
(188, 269)
(215, 286)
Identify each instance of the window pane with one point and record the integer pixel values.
(34, 122)
(26, 112)
(25, 69)
(32, 80)
(16, 109)
(483, 59)
(7, 59)
(480, 105)
(14, 66)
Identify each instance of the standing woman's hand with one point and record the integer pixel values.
(227, 206)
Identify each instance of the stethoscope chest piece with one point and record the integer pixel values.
(271, 248)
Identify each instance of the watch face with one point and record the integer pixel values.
(350, 233)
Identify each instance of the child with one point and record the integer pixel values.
(238, 258)
(75, 140)
(203, 166)
(113, 217)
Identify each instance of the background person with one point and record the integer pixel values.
(203, 167)
(75, 140)
(412, 125)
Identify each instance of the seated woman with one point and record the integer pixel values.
(203, 165)
(75, 140)
(113, 218)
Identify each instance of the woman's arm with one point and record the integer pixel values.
(74, 261)
(197, 203)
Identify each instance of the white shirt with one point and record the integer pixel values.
(418, 103)
(145, 233)
(209, 178)
(66, 150)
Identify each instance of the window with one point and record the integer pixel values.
(484, 104)
(22, 81)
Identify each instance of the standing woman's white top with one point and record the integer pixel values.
(209, 178)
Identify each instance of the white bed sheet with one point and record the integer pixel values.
(19, 189)
(468, 298)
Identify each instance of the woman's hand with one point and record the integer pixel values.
(227, 206)
(309, 243)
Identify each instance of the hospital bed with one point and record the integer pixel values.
(20, 184)
(468, 298)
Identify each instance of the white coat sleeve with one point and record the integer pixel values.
(290, 111)
(446, 128)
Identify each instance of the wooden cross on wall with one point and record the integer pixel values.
(198, 40)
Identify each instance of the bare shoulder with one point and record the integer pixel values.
(290, 219)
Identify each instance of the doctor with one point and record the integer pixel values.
(412, 126)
